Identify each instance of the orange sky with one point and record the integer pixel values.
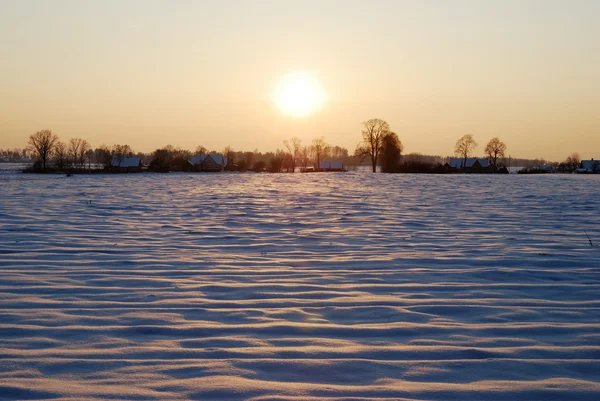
(152, 73)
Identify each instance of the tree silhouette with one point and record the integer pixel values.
(77, 151)
(573, 161)
(120, 152)
(229, 153)
(495, 149)
(319, 149)
(391, 150)
(42, 143)
(61, 155)
(464, 146)
(375, 130)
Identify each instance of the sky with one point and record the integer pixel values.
(187, 73)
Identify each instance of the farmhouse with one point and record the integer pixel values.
(209, 162)
(471, 163)
(589, 166)
(331, 165)
(126, 164)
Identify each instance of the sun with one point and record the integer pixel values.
(299, 94)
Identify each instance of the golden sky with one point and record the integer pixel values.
(151, 73)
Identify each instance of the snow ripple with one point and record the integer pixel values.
(299, 287)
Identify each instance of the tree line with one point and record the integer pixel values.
(380, 146)
(51, 154)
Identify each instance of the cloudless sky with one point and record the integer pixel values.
(151, 73)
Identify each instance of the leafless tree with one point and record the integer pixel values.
(319, 149)
(229, 153)
(304, 156)
(294, 147)
(120, 152)
(61, 155)
(495, 149)
(464, 147)
(200, 149)
(42, 144)
(77, 151)
(373, 134)
(337, 152)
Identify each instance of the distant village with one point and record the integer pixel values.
(380, 149)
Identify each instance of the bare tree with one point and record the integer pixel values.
(83, 155)
(294, 149)
(61, 155)
(200, 149)
(573, 161)
(495, 149)
(337, 152)
(229, 153)
(373, 134)
(77, 149)
(304, 156)
(120, 152)
(89, 154)
(464, 147)
(42, 144)
(319, 149)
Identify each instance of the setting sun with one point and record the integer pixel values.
(299, 94)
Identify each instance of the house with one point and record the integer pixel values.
(474, 163)
(589, 166)
(331, 165)
(126, 164)
(209, 162)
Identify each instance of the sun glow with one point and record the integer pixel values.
(299, 94)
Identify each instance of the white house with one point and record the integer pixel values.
(331, 165)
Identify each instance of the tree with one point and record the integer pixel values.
(464, 147)
(319, 149)
(229, 153)
(77, 151)
(573, 161)
(42, 144)
(276, 162)
(373, 134)
(294, 149)
(391, 150)
(304, 156)
(120, 152)
(337, 152)
(61, 155)
(103, 155)
(495, 149)
(200, 149)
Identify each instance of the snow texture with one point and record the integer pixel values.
(299, 287)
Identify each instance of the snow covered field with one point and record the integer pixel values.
(299, 287)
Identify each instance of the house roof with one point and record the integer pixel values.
(126, 162)
(457, 162)
(198, 158)
(218, 158)
(589, 164)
